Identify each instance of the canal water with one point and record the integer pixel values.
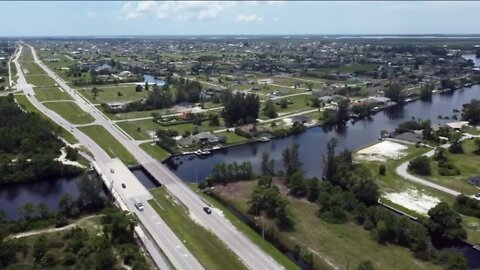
(313, 142)
(48, 191)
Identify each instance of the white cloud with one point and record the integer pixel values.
(276, 2)
(182, 10)
(249, 18)
(91, 14)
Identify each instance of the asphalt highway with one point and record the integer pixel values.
(246, 250)
(177, 253)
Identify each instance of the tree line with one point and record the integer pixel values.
(28, 146)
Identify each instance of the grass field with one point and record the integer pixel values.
(469, 165)
(51, 93)
(332, 244)
(146, 127)
(23, 101)
(113, 147)
(110, 93)
(155, 151)
(71, 112)
(204, 245)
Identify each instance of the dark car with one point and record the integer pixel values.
(123, 185)
(477, 194)
(207, 210)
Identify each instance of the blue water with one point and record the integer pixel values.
(151, 79)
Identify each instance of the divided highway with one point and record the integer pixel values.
(246, 250)
(177, 253)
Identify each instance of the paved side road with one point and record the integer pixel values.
(402, 170)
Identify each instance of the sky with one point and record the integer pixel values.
(72, 18)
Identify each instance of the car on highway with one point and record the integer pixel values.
(138, 205)
(207, 210)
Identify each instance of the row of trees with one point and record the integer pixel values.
(240, 109)
(223, 173)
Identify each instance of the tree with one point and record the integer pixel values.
(269, 109)
(95, 91)
(291, 160)
(297, 184)
(240, 108)
(477, 144)
(420, 165)
(382, 169)
(283, 103)
(426, 92)
(342, 110)
(90, 189)
(471, 112)
(138, 88)
(330, 160)
(456, 261)
(313, 187)
(446, 222)
(267, 165)
(394, 92)
(214, 122)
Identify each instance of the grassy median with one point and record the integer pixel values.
(113, 147)
(51, 93)
(71, 112)
(204, 245)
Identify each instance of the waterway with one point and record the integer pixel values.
(151, 79)
(313, 142)
(476, 61)
(48, 191)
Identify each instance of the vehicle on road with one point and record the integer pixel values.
(138, 205)
(207, 210)
(123, 185)
(477, 194)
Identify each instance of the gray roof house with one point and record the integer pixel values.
(475, 180)
(202, 138)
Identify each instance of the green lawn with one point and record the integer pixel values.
(110, 93)
(299, 104)
(232, 138)
(331, 244)
(469, 165)
(113, 147)
(250, 233)
(30, 68)
(146, 127)
(131, 115)
(210, 251)
(53, 93)
(40, 80)
(155, 151)
(23, 101)
(71, 112)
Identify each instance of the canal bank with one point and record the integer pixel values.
(354, 135)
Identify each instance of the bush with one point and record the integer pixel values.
(420, 165)
(382, 170)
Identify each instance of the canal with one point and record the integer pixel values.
(313, 142)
